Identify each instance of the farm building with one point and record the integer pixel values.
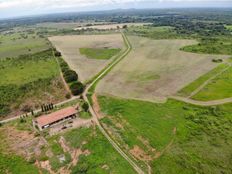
(48, 120)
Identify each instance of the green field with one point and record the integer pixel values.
(229, 27)
(186, 91)
(162, 32)
(219, 45)
(102, 158)
(219, 88)
(28, 80)
(18, 43)
(99, 53)
(189, 139)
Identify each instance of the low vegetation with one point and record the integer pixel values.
(220, 45)
(98, 155)
(14, 44)
(186, 91)
(217, 88)
(29, 78)
(99, 53)
(172, 137)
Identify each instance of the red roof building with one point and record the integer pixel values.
(48, 120)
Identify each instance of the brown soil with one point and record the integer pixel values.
(22, 143)
(96, 106)
(138, 153)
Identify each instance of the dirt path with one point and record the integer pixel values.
(208, 81)
(94, 114)
(202, 103)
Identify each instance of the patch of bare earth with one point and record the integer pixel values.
(155, 70)
(23, 143)
(140, 154)
(75, 153)
(96, 107)
(86, 68)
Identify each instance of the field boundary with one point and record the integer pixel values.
(202, 103)
(208, 81)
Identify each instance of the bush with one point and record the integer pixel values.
(85, 106)
(76, 88)
(217, 60)
(70, 76)
(68, 96)
(57, 54)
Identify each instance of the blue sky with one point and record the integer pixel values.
(14, 8)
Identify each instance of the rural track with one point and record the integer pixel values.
(202, 103)
(94, 114)
(208, 81)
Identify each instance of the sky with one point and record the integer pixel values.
(16, 8)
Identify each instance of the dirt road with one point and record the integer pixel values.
(94, 114)
(203, 103)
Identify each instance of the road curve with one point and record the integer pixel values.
(202, 103)
(95, 118)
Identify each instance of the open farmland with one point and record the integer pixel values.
(18, 43)
(155, 69)
(86, 68)
(111, 26)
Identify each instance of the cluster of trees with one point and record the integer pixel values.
(70, 76)
(47, 107)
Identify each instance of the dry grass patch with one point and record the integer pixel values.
(85, 67)
(155, 69)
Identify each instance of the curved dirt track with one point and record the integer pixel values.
(202, 103)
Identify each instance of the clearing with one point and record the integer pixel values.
(155, 69)
(86, 68)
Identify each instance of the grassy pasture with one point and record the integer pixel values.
(163, 32)
(102, 158)
(178, 138)
(229, 27)
(155, 69)
(219, 88)
(99, 53)
(86, 68)
(28, 81)
(186, 91)
(15, 44)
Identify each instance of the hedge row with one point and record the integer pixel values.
(70, 76)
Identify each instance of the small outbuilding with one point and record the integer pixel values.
(48, 120)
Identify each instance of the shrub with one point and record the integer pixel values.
(76, 88)
(70, 76)
(68, 96)
(57, 54)
(85, 106)
(217, 60)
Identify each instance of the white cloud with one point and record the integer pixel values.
(28, 7)
(6, 4)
